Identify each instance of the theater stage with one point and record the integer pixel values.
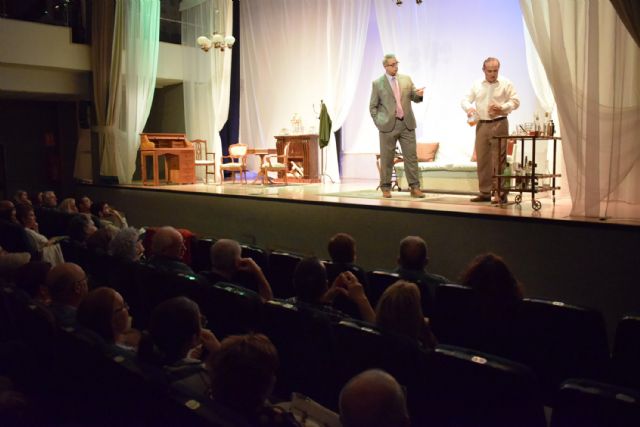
(576, 260)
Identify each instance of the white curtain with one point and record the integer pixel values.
(546, 104)
(593, 66)
(438, 44)
(296, 53)
(138, 24)
(207, 76)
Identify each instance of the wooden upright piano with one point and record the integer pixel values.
(179, 157)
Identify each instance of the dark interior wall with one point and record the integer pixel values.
(39, 139)
(167, 110)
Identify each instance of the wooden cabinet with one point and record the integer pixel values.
(304, 151)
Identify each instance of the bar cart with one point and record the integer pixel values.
(531, 181)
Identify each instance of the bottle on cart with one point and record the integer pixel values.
(528, 171)
(506, 176)
(552, 128)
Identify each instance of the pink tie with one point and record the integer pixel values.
(396, 93)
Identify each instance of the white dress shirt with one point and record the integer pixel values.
(483, 94)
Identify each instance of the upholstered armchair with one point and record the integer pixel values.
(237, 162)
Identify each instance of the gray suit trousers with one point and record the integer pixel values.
(407, 139)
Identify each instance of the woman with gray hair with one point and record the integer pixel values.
(127, 245)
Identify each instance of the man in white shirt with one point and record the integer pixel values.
(494, 99)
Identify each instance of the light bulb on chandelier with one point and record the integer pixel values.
(216, 41)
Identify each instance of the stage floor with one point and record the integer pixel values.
(364, 193)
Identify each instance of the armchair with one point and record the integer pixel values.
(237, 162)
(276, 163)
(205, 158)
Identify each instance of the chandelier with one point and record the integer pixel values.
(216, 41)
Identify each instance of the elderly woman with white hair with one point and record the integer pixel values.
(127, 245)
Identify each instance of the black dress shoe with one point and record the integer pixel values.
(481, 198)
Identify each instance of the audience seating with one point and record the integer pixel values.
(561, 341)
(305, 346)
(379, 281)
(52, 222)
(587, 403)
(557, 340)
(463, 387)
(361, 346)
(281, 267)
(626, 352)
(14, 238)
(257, 254)
(229, 309)
(201, 258)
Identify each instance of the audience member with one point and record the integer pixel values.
(243, 374)
(49, 200)
(108, 216)
(176, 340)
(80, 228)
(373, 399)
(399, 311)
(36, 198)
(13, 236)
(8, 211)
(32, 279)
(104, 312)
(127, 245)
(84, 204)
(49, 248)
(68, 205)
(67, 285)
(312, 289)
(20, 197)
(227, 265)
(491, 278)
(342, 250)
(99, 241)
(412, 266)
(167, 250)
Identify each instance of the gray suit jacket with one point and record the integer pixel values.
(382, 105)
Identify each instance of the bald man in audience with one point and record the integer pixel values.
(67, 285)
(227, 265)
(373, 399)
(49, 200)
(413, 259)
(167, 250)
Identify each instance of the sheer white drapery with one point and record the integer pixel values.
(296, 53)
(206, 75)
(138, 24)
(445, 58)
(593, 66)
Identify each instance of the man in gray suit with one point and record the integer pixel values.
(390, 108)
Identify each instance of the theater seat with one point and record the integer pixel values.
(463, 387)
(587, 403)
(626, 352)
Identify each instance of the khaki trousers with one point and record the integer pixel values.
(487, 153)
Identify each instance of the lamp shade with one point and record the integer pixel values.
(204, 42)
(229, 41)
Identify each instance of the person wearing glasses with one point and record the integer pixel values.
(105, 314)
(67, 286)
(390, 108)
